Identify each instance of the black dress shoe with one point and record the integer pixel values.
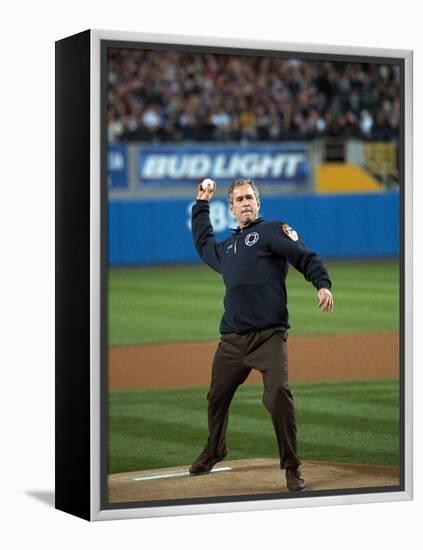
(294, 479)
(205, 462)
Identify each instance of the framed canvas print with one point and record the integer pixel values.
(233, 275)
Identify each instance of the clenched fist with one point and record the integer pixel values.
(206, 189)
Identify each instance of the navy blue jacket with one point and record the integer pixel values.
(254, 265)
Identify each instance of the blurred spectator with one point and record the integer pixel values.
(174, 96)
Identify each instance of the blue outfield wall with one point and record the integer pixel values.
(148, 232)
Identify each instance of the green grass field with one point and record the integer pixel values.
(175, 304)
(340, 422)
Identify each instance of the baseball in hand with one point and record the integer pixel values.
(208, 185)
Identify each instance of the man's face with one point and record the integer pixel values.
(244, 205)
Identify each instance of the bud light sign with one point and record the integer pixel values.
(117, 167)
(164, 165)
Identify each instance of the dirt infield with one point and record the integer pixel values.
(311, 358)
(244, 477)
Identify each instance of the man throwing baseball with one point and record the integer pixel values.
(254, 327)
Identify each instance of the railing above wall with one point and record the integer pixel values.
(140, 170)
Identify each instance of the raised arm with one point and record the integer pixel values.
(206, 245)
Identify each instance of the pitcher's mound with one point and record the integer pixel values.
(243, 477)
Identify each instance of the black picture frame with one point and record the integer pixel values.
(81, 270)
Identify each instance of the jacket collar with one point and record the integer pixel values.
(255, 222)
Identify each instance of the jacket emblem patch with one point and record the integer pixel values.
(251, 239)
(292, 234)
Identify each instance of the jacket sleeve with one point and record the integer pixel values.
(298, 255)
(209, 250)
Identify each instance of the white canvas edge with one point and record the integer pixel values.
(95, 272)
(408, 273)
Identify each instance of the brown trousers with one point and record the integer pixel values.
(265, 351)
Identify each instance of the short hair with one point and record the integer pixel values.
(240, 182)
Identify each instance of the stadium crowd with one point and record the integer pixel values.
(167, 96)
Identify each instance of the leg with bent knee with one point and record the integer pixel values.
(269, 355)
(228, 373)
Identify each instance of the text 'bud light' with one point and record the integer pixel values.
(179, 165)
